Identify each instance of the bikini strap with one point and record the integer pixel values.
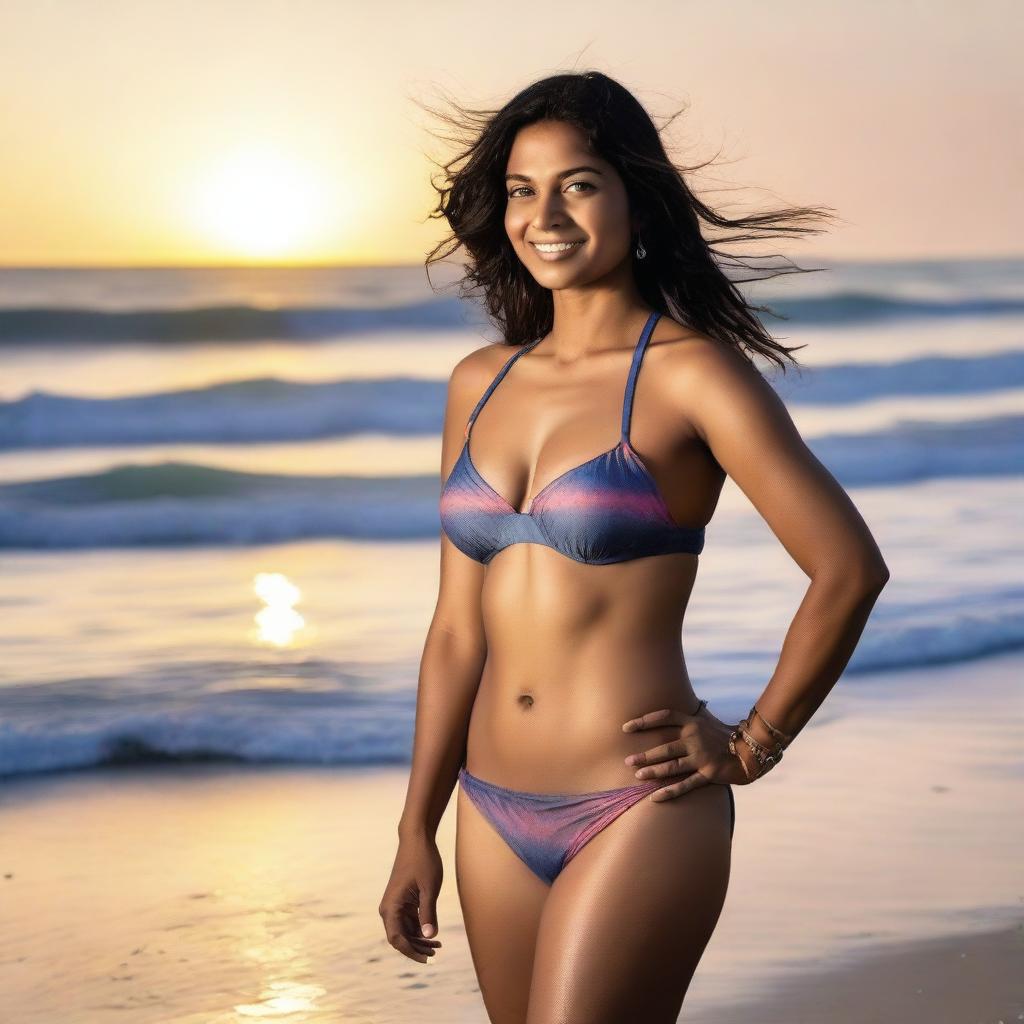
(521, 350)
(634, 369)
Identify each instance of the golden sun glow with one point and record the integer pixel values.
(258, 203)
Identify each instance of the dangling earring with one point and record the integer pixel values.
(641, 252)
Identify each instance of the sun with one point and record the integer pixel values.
(259, 203)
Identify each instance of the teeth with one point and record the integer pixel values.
(555, 246)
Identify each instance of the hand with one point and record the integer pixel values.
(409, 904)
(698, 757)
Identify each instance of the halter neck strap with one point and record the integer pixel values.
(634, 369)
(522, 350)
(627, 399)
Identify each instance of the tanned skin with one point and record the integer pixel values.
(549, 675)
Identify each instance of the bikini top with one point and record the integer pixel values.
(608, 509)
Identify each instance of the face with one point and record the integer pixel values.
(587, 206)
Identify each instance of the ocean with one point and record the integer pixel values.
(218, 499)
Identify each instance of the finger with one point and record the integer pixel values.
(428, 946)
(675, 789)
(404, 918)
(398, 939)
(417, 949)
(406, 948)
(674, 748)
(666, 716)
(428, 914)
(412, 933)
(411, 928)
(418, 940)
(663, 769)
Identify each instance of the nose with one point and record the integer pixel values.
(549, 211)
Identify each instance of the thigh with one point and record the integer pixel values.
(502, 901)
(628, 918)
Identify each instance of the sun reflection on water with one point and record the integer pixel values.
(277, 621)
(282, 997)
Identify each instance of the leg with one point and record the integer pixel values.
(501, 900)
(628, 918)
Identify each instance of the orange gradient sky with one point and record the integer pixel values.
(160, 133)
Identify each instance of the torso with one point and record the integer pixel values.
(574, 649)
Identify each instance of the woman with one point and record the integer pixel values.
(553, 686)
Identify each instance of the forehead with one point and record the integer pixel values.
(548, 147)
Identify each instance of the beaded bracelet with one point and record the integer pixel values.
(733, 737)
(765, 757)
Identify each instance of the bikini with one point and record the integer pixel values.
(607, 509)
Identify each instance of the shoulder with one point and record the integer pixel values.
(701, 377)
(471, 375)
(688, 359)
(686, 355)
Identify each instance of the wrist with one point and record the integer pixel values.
(748, 765)
(769, 733)
(758, 732)
(756, 757)
(416, 831)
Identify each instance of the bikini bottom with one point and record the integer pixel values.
(546, 830)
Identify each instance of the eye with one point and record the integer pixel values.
(586, 185)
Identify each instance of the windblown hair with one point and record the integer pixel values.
(682, 276)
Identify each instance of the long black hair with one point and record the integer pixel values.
(682, 275)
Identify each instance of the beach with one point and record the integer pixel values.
(875, 877)
(250, 262)
(218, 564)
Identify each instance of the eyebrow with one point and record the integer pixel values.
(560, 175)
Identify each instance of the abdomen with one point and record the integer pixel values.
(573, 652)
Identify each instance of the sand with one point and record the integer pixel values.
(884, 852)
(966, 979)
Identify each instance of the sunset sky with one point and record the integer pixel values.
(160, 133)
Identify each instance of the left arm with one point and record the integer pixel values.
(749, 431)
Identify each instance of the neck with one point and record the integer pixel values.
(585, 324)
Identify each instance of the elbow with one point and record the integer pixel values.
(870, 575)
(865, 576)
(876, 572)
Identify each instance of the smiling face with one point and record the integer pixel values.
(559, 191)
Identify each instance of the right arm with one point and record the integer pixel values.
(453, 659)
(455, 648)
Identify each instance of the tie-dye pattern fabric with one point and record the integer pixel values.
(546, 830)
(608, 509)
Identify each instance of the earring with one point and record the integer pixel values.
(641, 252)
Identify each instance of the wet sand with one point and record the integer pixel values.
(964, 979)
(883, 858)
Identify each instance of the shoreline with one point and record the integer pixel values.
(210, 893)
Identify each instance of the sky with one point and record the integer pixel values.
(209, 132)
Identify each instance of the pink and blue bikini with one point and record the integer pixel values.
(608, 509)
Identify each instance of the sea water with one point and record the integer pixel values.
(218, 498)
